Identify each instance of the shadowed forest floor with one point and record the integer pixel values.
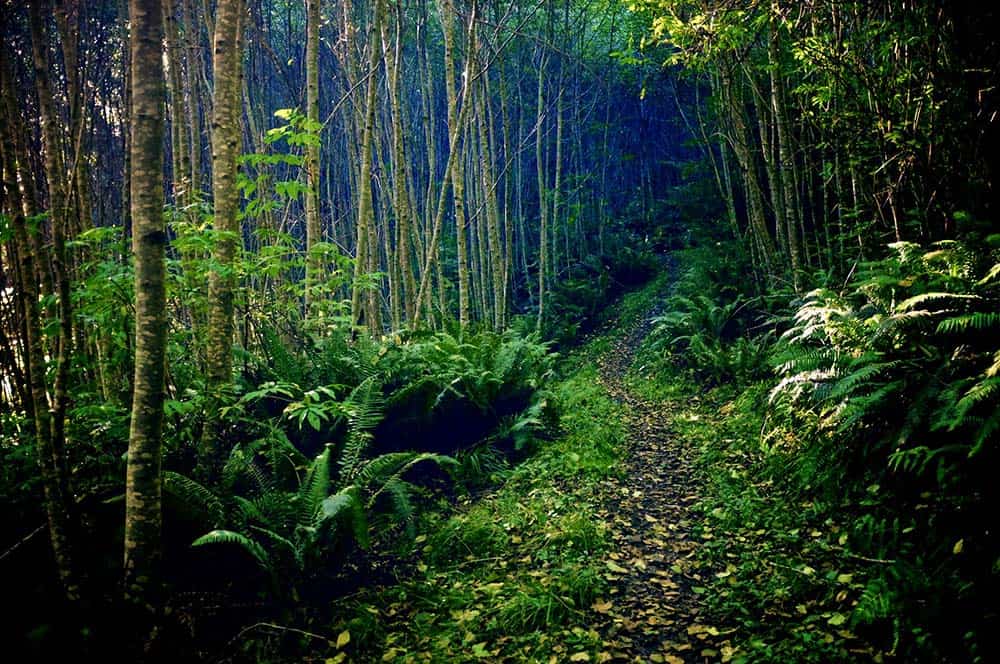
(654, 610)
(587, 552)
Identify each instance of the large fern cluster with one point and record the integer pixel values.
(899, 378)
(906, 361)
(709, 339)
(484, 369)
(288, 513)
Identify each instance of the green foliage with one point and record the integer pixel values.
(711, 330)
(513, 574)
(894, 381)
(576, 301)
(426, 371)
(289, 521)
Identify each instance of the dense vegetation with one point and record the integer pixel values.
(309, 309)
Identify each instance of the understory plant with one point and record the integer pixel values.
(288, 513)
(895, 384)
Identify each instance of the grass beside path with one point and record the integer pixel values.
(519, 574)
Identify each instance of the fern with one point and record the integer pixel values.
(965, 323)
(402, 502)
(193, 493)
(295, 552)
(397, 464)
(345, 505)
(364, 409)
(941, 299)
(861, 377)
(244, 542)
(875, 602)
(315, 488)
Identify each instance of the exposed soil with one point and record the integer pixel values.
(653, 612)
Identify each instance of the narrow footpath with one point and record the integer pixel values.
(653, 612)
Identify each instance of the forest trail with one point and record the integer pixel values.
(653, 612)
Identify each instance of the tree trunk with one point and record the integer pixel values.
(143, 548)
(786, 169)
(543, 200)
(362, 260)
(226, 142)
(457, 174)
(314, 230)
(58, 501)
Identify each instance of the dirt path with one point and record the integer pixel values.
(654, 609)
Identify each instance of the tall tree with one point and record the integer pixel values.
(55, 176)
(57, 498)
(143, 549)
(227, 61)
(314, 230)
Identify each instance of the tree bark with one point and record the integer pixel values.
(226, 141)
(58, 501)
(314, 230)
(143, 500)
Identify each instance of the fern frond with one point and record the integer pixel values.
(196, 495)
(364, 407)
(939, 299)
(402, 502)
(239, 539)
(981, 320)
(875, 602)
(397, 464)
(984, 390)
(986, 431)
(860, 378)
(294, 551)
(345, 505)
(314, 488)
(991, 276)
(994, 368)
(249, 510)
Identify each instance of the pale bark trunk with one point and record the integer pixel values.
(143, 500)
(226, 143)
(362, 262)
(314, 231)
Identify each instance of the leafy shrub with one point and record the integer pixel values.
(708, 340)
(287, 514)
(449, 392)
(897, 378)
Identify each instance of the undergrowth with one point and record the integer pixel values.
(511, 576)
(846, 438)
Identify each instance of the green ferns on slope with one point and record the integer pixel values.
(894, 385)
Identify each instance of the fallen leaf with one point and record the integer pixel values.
(601, 606)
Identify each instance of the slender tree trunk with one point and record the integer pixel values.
(543, 199)
(193, 90)
(435, 231)
(755, 201)
(406, 282)
(366, 216)
(226, 142)
(457, 173)
(143, 548)
(58, 501)
(787, 160)
(314, 230)
(55, 174)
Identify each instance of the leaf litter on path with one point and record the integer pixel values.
(654, 609)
